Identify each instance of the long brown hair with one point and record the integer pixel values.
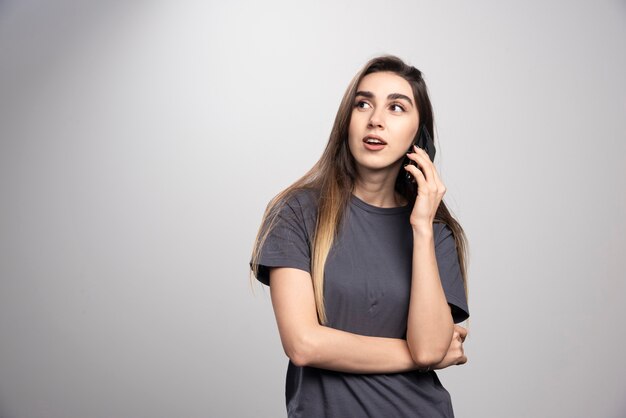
(334, 177)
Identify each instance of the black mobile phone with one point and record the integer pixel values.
(424, 141)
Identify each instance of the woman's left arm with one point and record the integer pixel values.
(430, 325)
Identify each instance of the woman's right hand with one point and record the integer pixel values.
(455, 354)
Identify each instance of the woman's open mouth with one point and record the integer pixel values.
(374, 143)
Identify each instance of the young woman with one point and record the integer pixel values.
(366, 264)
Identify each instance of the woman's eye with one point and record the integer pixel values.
(360, 103)
(401, 109)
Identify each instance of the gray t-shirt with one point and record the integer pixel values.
(367, 283)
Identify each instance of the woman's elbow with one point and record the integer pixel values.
(428, 360)
(427, 357)
(301, 350)
(298, 357)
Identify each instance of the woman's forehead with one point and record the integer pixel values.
(383, 83)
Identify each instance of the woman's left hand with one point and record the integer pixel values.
(456, 354)
(430, 189)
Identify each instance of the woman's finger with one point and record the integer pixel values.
(461, 330)
(417, 175)
(441, 188)
(426, 163)
(421, 162)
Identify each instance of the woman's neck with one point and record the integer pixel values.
(379, 193)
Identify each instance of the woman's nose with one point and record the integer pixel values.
(376, 120)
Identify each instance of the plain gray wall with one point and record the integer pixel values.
(141, 141)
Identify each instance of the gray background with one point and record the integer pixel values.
(141, 141)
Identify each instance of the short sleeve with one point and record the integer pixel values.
(288, 243)
(450, 274)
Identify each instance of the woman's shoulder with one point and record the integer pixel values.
(305, 199)
(298, 204)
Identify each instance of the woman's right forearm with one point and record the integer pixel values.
(333, 349)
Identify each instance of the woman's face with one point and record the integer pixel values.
(384, 109)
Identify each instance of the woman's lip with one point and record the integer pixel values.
(374, 147)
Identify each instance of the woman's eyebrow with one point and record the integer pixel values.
(392, 96)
